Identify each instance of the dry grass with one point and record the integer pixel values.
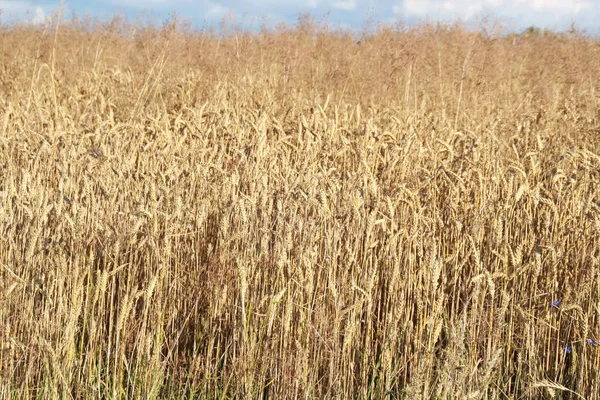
(291, 214)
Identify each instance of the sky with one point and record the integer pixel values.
(515, 15)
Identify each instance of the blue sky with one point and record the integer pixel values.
(514, 14)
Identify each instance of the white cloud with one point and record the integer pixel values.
(346, 5)
(470, 8)
(423, 8)
(24, 11)
(216, 10)
(16, 6)
(40, 17)
(556, 6)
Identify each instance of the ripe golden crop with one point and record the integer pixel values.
(295, 214)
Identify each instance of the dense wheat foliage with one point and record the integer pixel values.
(298, 214)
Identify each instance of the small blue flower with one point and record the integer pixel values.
(568, 349)
(593, 342)
(555, 304)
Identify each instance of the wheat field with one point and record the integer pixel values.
(303, 212)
